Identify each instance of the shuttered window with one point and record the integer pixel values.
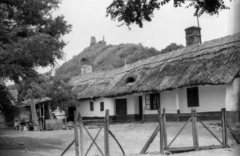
(101, 106)
(152, 101)
(91, 106)
(192, 97)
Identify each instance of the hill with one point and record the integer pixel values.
(105, 56)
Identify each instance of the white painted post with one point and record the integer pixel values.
(177, 99)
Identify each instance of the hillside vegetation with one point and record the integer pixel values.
(105, 56)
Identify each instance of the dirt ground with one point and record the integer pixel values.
(132, 137)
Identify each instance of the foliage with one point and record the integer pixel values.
(10, 111)
(29, 37)
(53, 87)
(138, 11)
(171, 47)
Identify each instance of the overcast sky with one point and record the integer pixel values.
(88, 18)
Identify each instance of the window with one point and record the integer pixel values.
(101, 106)
(91, 106)
(152, 101)
(192, 97)
(130, 80)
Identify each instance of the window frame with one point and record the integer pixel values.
(150, 100)
(101, 106)
(91, 105)
(192, 97)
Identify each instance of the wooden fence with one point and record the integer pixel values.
(164, 147)
(79, 123)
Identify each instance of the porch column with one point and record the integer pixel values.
(177, 99)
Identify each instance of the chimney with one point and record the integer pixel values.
(86, 66)
(193, 35)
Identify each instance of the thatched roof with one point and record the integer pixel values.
(215, 62)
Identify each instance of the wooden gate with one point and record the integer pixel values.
(165, 147)
(79, 123)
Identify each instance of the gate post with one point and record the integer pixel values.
(194, 130)
(81, 133)
(76, 134)
(161, 131)
(106, 135)
(164, 130)
(224, 128)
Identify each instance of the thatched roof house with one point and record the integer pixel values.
(214, 62)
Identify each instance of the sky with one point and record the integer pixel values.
(88, 18)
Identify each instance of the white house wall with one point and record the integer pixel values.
(211, 98)
(132, 103)
(168, 101)
(232, 95)
(84, 108)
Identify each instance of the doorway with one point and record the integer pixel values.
(71, 111)
(121, 110)
(140, 108)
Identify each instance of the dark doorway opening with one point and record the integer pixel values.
(140, 107)
(71, 111)
(121, 110)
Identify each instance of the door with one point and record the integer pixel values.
(140, 107)
(121, 110)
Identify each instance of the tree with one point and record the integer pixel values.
(29, 37)
(53, 87)
(137, 11)
(171, 47)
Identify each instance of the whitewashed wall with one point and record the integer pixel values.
(211, 98)
(132, 103)
(84, 108)
(232, 95)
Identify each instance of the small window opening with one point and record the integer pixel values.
(130, 80)
(101, 106)
(91, 106)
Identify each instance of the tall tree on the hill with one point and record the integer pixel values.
(29, 37)
(138, 11)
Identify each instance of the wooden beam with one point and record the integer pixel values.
(232, 132)
(180, 131)
(116, 141)
(164, 129)
(150, 140)
(224, 129)
(210, 131)
(106, 136)
(161, 131)
(34, 113)
(194, 130)
(81, 133)
(76, 134)
(185, 149)
(94, 140)
(67, 148)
